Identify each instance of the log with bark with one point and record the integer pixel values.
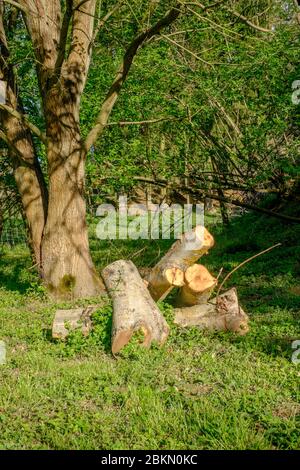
(133, 307)
(199, 284)
(170, 270)
(220, 314)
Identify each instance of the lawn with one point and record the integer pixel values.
(200, 391)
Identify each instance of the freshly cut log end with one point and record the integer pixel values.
(174, 276)
(198, 278)
(68, 320)
(120, 340)
(133, 307)
(165, 281)
(221, 314)
(206, 238)
(199, 284)
(182, 254)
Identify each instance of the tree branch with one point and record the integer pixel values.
(44, 37)
(82, 34)
(28, 124)
(203, 194)
(17, 5)
(248, 22)
(63, 37)
(15, 149)
(122, 73)
(297, 11)
(187, 50)
(203, 7)
(140, 123)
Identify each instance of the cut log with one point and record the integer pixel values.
(221, 314)
(199, 284)
(133, 307)
(68, 320)
(169, 272)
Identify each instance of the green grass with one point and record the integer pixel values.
(200, 391)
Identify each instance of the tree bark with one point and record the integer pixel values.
(169, 272)
(134, 309)
(67, 267)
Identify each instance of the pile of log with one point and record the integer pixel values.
(134, 297)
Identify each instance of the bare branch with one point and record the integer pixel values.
(122, 73)
(221, 29)
(228, 118)
(187, 50)
(245, 262)
(203, 7)
(141, 123)
(202, 193)
(248, 22)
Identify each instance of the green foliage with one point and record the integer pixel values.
(220, 75)
(246, 80)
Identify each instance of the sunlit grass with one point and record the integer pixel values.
(201, 390)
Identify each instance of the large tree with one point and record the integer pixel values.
(62, 35)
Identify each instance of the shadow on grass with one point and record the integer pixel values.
(14, 269)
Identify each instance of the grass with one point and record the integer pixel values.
(200, 391)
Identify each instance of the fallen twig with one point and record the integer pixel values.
(243, 263)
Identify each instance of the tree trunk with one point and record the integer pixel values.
(29, 180)
(33, 201)
(67, 267)
(27, 172)
(134, 308)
